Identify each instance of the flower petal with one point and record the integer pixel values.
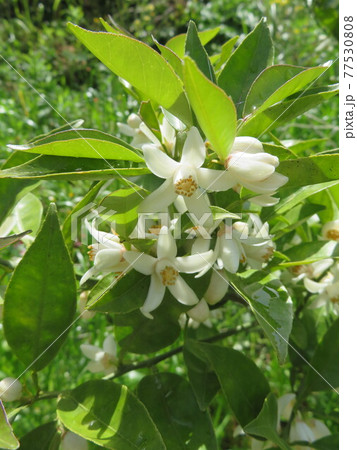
(251, 167)
(183, 293)
(109, 240)
(268, 186)
(217, 288)
(160, 199)
(247, 144)
(215, 180)
(199, 312)
(194, 263)
(110, 345)
(90, 351)
(166, 245)
(155, 295)
(194, 150)
(229, 254)
(199, 208)
(141, 262)
(200, 245)
(264, 200)
(95, 367)
(158, 162)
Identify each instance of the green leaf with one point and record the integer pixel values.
(171, 58)
(203, 380)
(123, 208)
(66, 168)
(281, 152)
(310, 170)
(82, 143)
(147, 114)
(326, 15)
(265, 424)
(283, 112)
(7, 437)
(173, 407)
(109, 415)
(8, 240)
(324, 371)
(294, 197)
(195, 50)
(276, 83)
(40, 300)
(294, 218)
(214, 110)
(74, 220)
(251, 57)
(298, 146)
(177, 43)
(330, 442)
(28, 213)
(243, 384)
(128, 294)
(309, 252)
(226, 50)
(148, 71)
(44, 437)
(273, 309)
(141, 335)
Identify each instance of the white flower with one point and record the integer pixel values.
(217, 288)
(132, 129)
(107, 253)
(165, 269)
(10, 389)
(72, 441)
(253, 168)
(184, 178)
(309, 430)
(82, 304)
(327, 289)
(103, 359)
(331, 230)
(200, 312)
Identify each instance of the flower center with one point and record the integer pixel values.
(335, 299)
(186, 186)
(333, 235)
(269, 252)
(155, 229)
(169, 276)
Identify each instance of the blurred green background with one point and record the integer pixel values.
(45, 57)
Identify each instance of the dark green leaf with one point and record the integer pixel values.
(108, 414)
(251, 57)
(173, 407)
(45, 437)
(265, 424)
(8, 240)
(243, 384)
(309, 252)
(195, 50)
(40, 300)
(177, 43)
(324, 371)
(148, 71)
(326, 443)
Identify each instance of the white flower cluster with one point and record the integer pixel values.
(216, 243)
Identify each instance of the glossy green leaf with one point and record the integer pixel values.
(11, 191)
(148, 71)
(108, 414)
(7, 437)
(310, 170)
(173, 407)
(195, 50)
(226, 50)
(298, 146)
(82, 143)
(309, 252)
(72, 226)
(40, 300)
(171, 58)
(202, 378)
(294, 218)
(138, 334)
(214, 110)
(273, 309)
(128, 294)
(285, 111)
(66, 168)
(243, 384)
(265, 424)
(281, 152)
(324, 372)
(147, 114)
(330, 442)
(177, 43)
(44, 437)
(8, 240)
(28, 213)
(122, 206)
(251, 57)
(276, 83)
(111, 29)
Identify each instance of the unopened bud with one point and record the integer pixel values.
(10, 389)
(217, 287)
(200, 312)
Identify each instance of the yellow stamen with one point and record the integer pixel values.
(334, 235)
(169, 276)
(186, 186)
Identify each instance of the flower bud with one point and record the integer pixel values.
(72, 441)
(200, 312)
(10, 389)
(217, 287)
(134, 121)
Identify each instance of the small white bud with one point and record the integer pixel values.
(72, 441)
(10, 389)
(134, 121)
(200, 312)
